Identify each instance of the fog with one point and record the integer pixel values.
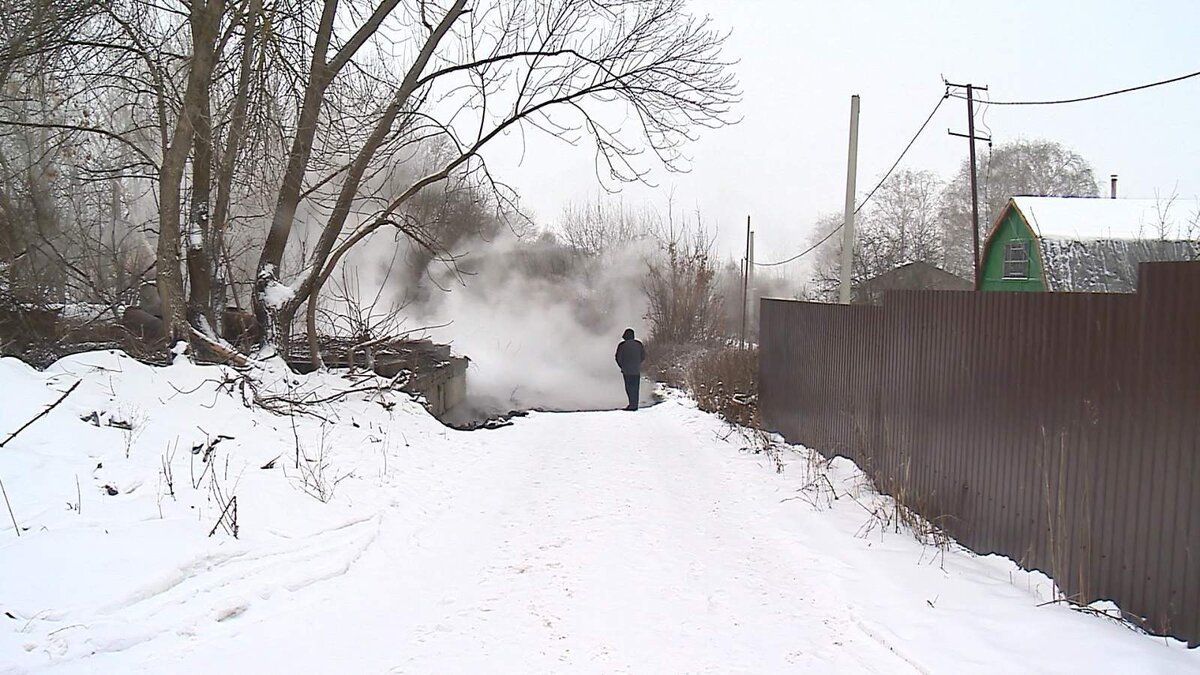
(539, 323)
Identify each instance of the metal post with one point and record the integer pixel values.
(974, 187)
(848, 223)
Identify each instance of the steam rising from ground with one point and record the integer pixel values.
(540, 324)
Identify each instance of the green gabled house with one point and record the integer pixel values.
(1088, 245)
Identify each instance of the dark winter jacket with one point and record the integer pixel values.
(630, 354)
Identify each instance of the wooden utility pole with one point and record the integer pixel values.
(848, 223)
(971, 138)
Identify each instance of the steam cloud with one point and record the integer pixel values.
(539, 324)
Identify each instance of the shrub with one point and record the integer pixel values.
(725, 382)
(681, 290)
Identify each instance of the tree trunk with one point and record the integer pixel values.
(228, 166)
(314, 346)
(199, 306)
(293, 179)
(168, 280)
(204, 21)
(120, 272)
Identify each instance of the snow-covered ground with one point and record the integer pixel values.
(568, 542)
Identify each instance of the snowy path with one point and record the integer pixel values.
(613, 557)
(565, 552)
(609, 542)
(585, 542)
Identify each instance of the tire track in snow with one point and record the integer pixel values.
(199, 587)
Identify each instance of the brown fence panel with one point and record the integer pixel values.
(1061, 430)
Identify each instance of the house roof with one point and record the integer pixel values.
(1105, 265)
(1092, 219)
(929, 272)
(1096, 245)
(913, 276)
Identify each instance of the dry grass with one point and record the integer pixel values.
(725, 382)
(899, 506)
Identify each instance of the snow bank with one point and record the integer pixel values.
(117, 489)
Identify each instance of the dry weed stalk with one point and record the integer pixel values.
(16, 528)
(900, 506)
(315, 479)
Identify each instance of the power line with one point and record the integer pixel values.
(903, 153)
(878, 185)
(805, 251)
(1096, 96)
(870, 194)
(987, 181)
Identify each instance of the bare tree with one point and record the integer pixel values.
(1172, 222)
(154, 89)
(901, 224)
(34, 29)
(64, 226)
(458, 214)
(204, 21)
(684, 305)
(325, 109)
(513, 66)
(602, 225)
(213, 231)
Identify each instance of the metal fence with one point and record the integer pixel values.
(1060, 430)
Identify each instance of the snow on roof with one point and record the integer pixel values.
(1093, 219)
(1106, 265)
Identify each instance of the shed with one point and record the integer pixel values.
(1091, 245)
(913, 276)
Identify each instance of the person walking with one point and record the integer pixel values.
(630, 355)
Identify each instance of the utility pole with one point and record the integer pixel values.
(746, 282)
(742, 275)
(848, 223)
(750, 288)
(971, 138)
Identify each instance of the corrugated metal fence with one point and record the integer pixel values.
(1061, 430)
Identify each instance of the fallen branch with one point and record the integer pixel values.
(266, 401)
(41, 414)
(229, 356)
(1064, 600)
(1126, 619)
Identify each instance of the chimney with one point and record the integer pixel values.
(1114, 186)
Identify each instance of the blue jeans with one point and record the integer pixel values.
(633, 385)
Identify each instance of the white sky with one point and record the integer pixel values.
(785, 163)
